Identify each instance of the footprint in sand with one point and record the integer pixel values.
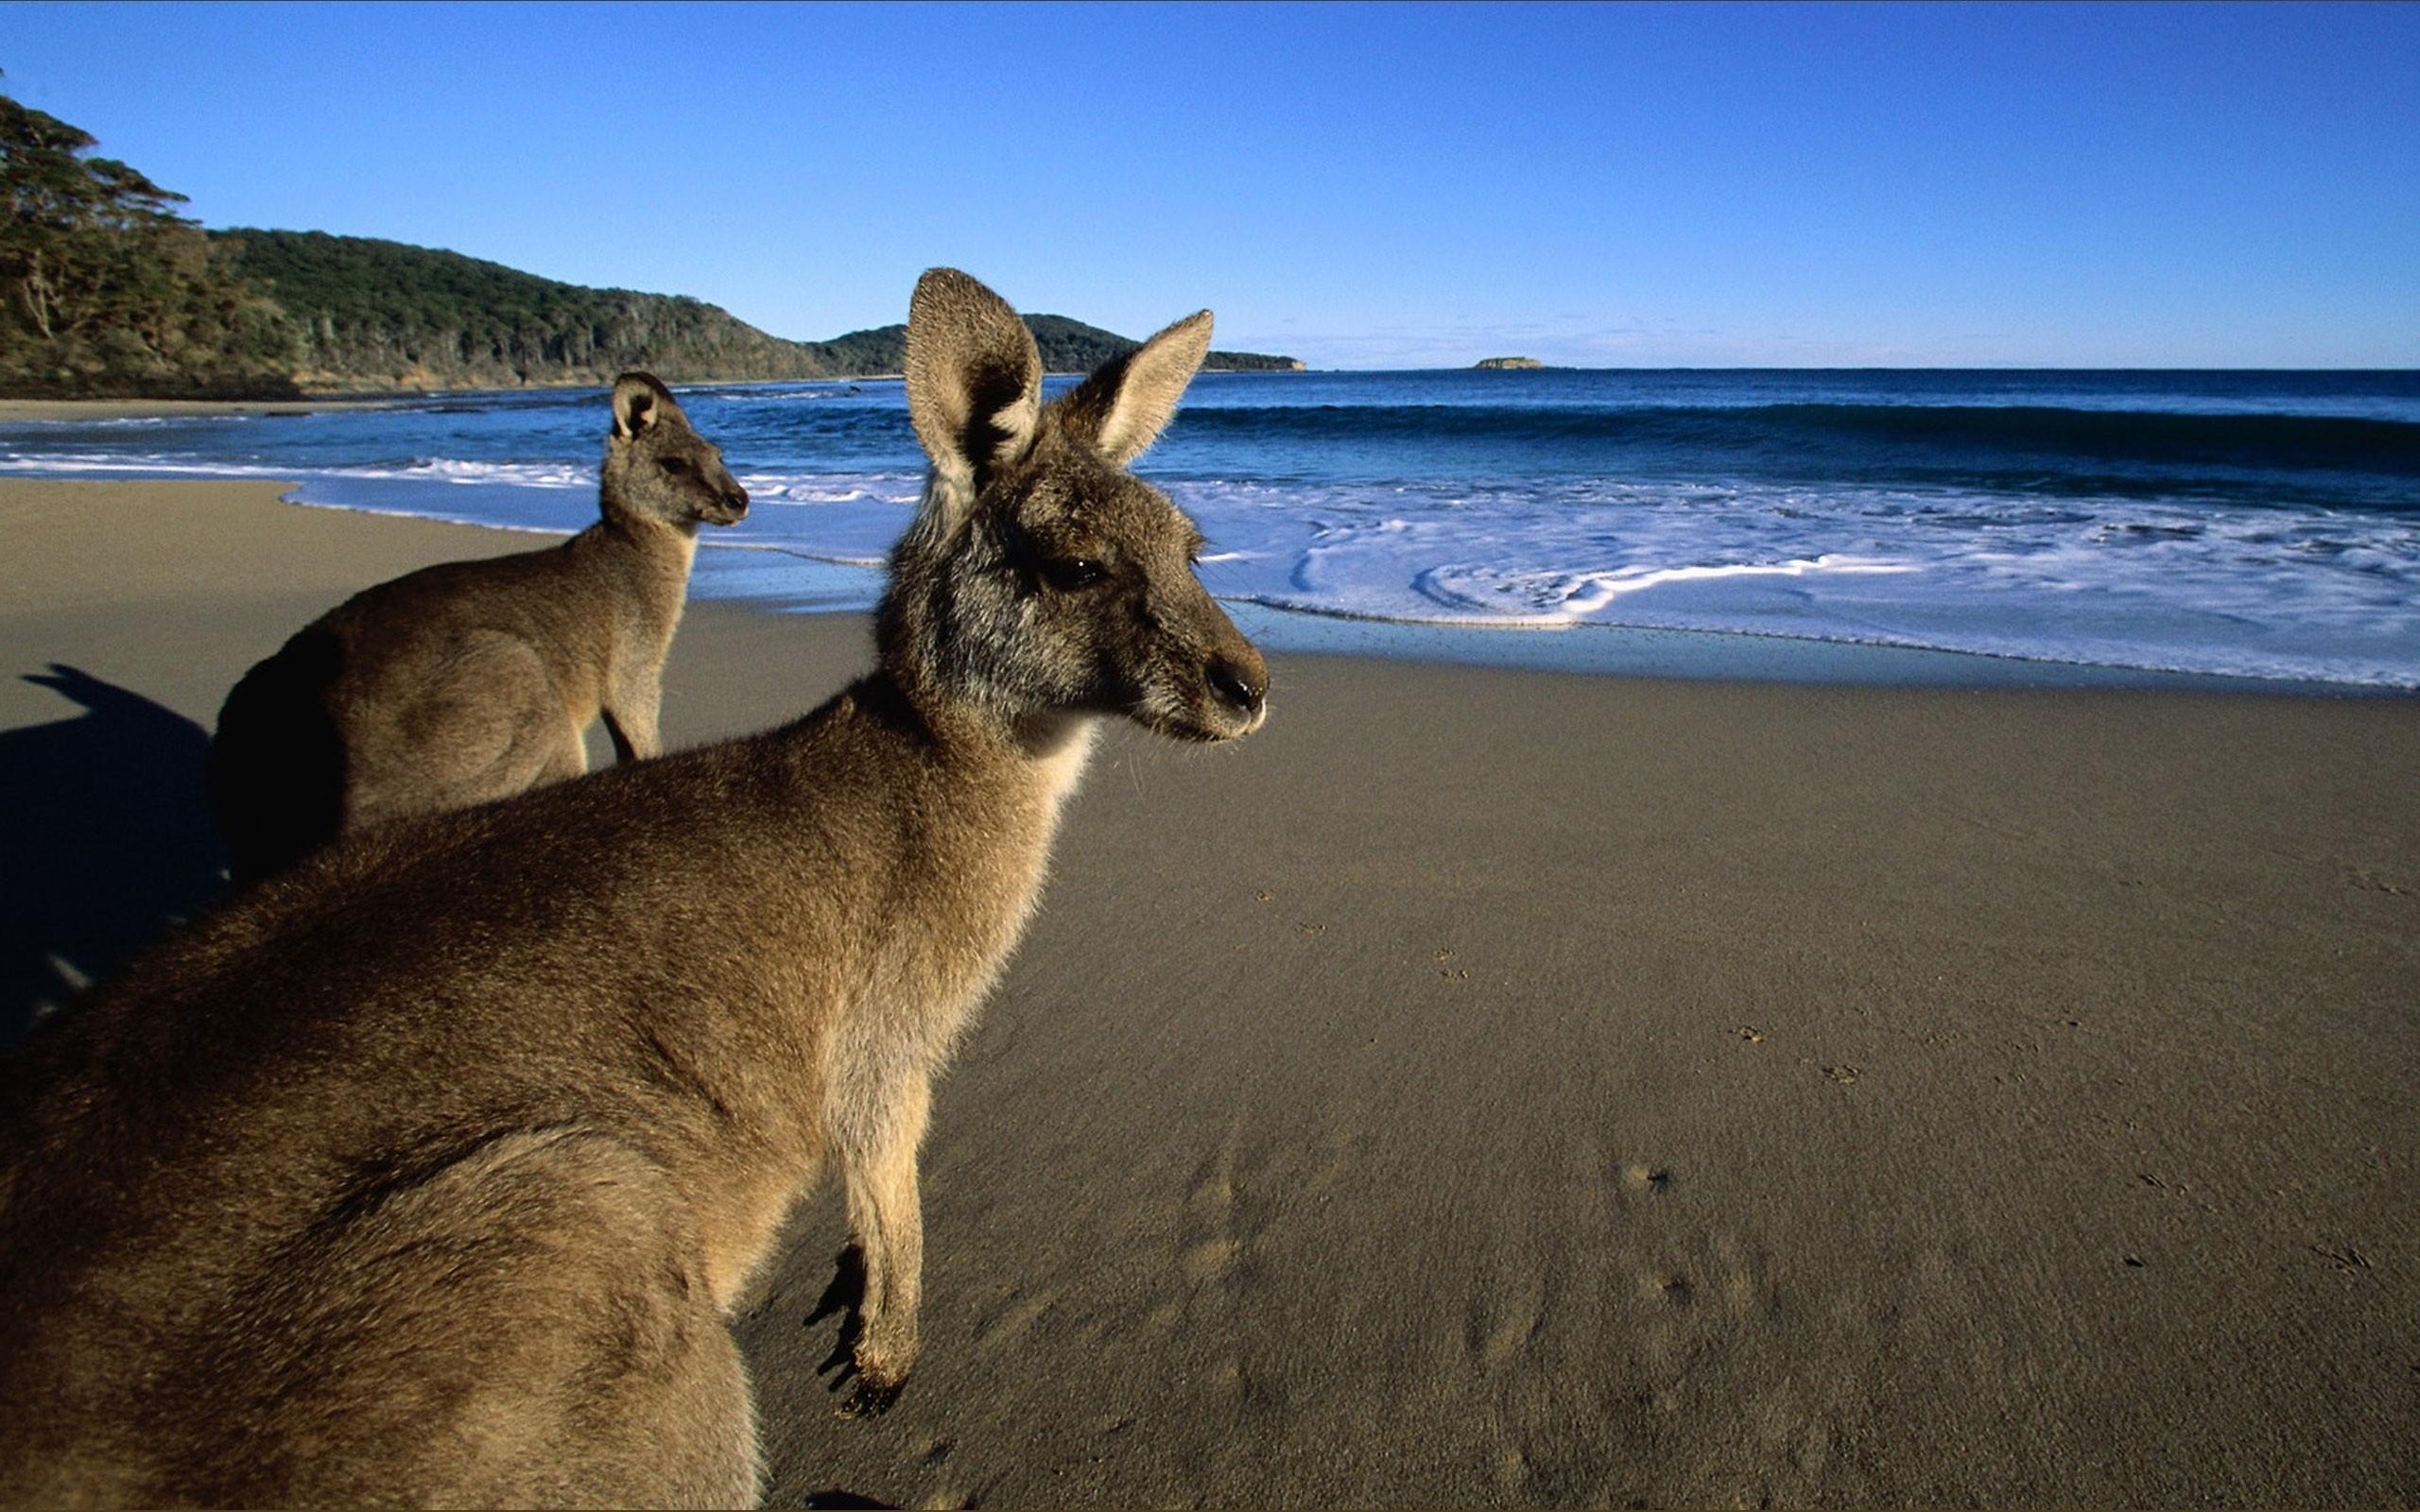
(1018, 1313)
(1503, 1322)
(1641, 1186)
(1687, 1294)
(1211, 1238)
(1511, 1468)
(1211, 1247)
(1642, 1179)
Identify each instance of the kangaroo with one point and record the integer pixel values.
(429, 1171)
(472, 680)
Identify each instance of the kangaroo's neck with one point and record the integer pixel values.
(646, 557)
(1057, 746)
(1038, 755)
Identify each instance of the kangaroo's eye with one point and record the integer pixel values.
(676, 466)
(1067, 574)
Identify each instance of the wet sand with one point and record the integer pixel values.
(25, 409)
(1489, 1087)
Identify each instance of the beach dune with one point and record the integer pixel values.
(1505, 1087)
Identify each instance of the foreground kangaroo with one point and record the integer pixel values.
(472, 680)
(429, 1171)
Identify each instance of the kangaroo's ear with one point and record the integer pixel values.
(640, 402)
(973, 377)
(1122, 408)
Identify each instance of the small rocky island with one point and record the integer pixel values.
(1508, 361)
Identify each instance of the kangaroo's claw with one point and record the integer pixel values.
(870, 1399)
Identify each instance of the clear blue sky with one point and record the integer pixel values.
(1357, 185)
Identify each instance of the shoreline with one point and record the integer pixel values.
(1499, 1087)
(1741, 656)
(1581, 647)
(17, 409)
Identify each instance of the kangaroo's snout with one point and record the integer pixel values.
(1239, 686)
(734, 505)
(1233, 696)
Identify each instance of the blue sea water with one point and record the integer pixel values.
(2250, 524)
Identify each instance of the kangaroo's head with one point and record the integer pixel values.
(657, 468)
(1040, 575)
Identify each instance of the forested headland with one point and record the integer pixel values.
(111, 293)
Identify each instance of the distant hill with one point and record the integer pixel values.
(1068, 346)
(383, 315)
(108, 291)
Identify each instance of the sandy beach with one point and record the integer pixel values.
(1501, 1087)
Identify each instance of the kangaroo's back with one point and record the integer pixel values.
(408, 1159)
(429, 1171)
(468, 681)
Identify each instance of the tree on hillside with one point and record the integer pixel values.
(109, 289)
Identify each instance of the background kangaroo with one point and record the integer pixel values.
(429, 1171)
(472, 680)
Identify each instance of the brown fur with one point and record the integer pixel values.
(427, 1173)
(472, 680)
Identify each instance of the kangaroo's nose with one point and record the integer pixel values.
(736, 498)
(1236, 685)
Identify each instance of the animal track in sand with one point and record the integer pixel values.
(1164, 1319)
(1503, 1322)
(1640, 1177)
(1692, 1296)
(1511, 1468)
(2371, 880)
(1019, 1314)
(1811, 1449)
(1211, 1259)
(1338, 1161)
(1212, 1245)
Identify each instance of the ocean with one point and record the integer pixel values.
(1966, 526)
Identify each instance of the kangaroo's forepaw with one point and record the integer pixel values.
(870, 1398)
(886, 1349)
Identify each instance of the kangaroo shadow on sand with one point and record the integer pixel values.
(845, 1296)
(108, 840)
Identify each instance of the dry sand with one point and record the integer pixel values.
(1493, 1088)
